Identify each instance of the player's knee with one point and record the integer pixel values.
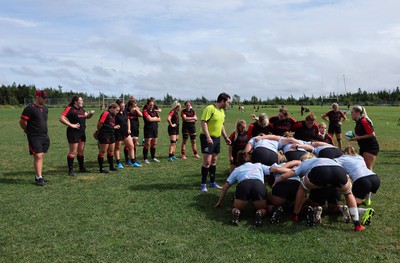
(193, 137)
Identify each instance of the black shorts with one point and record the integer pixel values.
(334, 128)
(264, 156)
(76, 136)
(173, 130)
(189, 127)
(294, 155)
(135, 132)
(322, 176)
(210, 148)
(251, 189)
(106, 138)
(372, 149)
(286, 189)
(324, 195)
(151, 132)
(121, 135)
(361, 187)
(330, 153)
(38, 144)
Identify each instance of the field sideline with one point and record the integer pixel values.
(158, 214)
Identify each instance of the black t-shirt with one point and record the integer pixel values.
(121, 119)
(36, 116)
(75, 115)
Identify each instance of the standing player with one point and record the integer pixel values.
(212, 127)
(106, 137)
(173, 129)
(189, 119)
(133, 115)
(151, 120)
(335, 125)
(123, 135)
(281, 123)
(74, 117)
(238, 142)
(34, 123)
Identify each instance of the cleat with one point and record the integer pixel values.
(366, 218)
(258, 219)
(113, 169)
(128, 162)
(276, 215)
(84, 170)
(346, 213)
(136, 164)
(367, 202)
(71, 173)
(215, 185)
(174, 157)
(39, 181)
(104, 171)
(317, 214)
(170, 159)
(146, 161)
(235, 217)
(184, 157)
(310, 217)
(155, 160)
(44, 180)
(196, 156)
(204, 188)
(119, 166)
(359, 228)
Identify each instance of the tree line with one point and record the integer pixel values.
(15, 94)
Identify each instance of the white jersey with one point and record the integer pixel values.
(305, 167)
(248, 171)
(265, 143)
(276, 175)
(354, 165)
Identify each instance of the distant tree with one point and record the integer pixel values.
(236, 98)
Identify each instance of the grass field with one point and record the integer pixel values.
(157, 213)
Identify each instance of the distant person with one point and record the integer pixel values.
(34, 123)
(212, 127)
(105, 135)
(302, 109)
(74, 117)
(306, 130)
(281, 123)
(238, 142)
(173, 129)
(151, 119)
(335, 117)
(189, 119)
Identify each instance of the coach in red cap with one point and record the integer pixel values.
(34, 123)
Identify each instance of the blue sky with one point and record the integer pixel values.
(196, 48)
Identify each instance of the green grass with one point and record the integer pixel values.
(157, 213)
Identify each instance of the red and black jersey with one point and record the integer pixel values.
(151, 113)
(75, 115)
(188, 113)
(279, 127)
(302, 132)
(327, 138)
(133, 117)
(121, 119)
(363, 127)
(36, 117)
(335, 116)
(239, 143)
(108, 120)
(255, 129)
(174, 117)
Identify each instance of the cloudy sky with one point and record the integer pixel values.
(192, 48)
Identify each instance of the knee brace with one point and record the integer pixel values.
(193, 137)
(185, 136)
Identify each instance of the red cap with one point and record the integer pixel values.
(41, 93)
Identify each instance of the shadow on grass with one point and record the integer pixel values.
(159, 186)
(15, 181)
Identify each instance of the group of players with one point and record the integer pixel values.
(295, 157)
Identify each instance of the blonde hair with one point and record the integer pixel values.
(334, 105)
(239, 123)
(288, 134)
(175, 105)
(362, 111)
(321, 124)
(307, 156)
(263, 119)
(281, 157)
(350, 150)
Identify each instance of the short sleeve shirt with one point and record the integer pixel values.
(215, 119)
(36, 117)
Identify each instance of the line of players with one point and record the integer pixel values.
(120, 123)
(307, 162)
